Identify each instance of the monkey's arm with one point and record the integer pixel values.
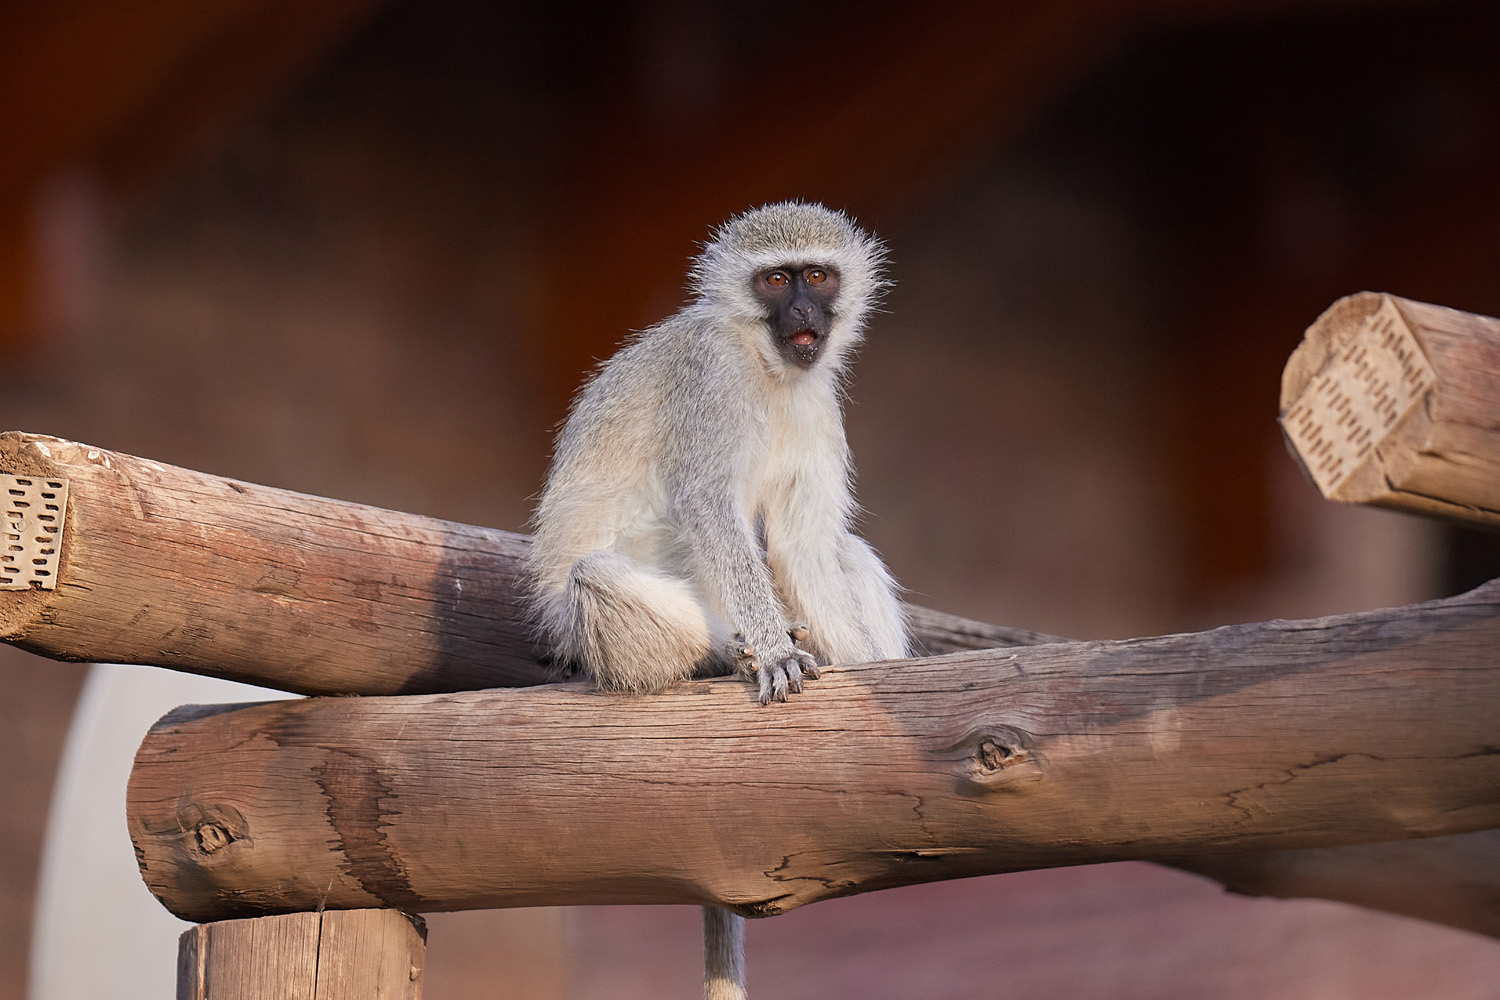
(832, 579)
(725, 563)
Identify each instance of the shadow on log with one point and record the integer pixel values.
(1448, 880)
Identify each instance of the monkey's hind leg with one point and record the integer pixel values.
(631, 627)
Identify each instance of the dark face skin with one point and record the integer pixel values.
(800, 301)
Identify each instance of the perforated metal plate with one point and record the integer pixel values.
(33, 529)
(1353, 403)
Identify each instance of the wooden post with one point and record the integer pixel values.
(1394, 403)
(332, 955)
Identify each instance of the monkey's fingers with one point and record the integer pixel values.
(804, 665)
(798, 631)
(773, 684)
(793, 671)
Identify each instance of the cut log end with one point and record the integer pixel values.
(1389, 402)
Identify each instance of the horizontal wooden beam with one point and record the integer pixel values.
(1284, 735)
(1394, 403)
(166, 566)
(175, 568)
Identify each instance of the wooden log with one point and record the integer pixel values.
(1283, 735)
(332, 955)
(1396, 403)
(166, 566)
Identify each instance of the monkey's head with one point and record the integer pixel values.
(803, 274)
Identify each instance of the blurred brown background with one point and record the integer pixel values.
(366, 250)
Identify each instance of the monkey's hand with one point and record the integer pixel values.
(780, 672)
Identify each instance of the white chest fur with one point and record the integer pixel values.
(800, 455)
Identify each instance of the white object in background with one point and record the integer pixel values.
(99, 933)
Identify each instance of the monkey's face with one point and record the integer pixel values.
(800, 305)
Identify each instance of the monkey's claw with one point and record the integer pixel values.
(798, 631)
(783, 676)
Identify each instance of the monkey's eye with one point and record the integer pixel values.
(816, 275)
(777, 278)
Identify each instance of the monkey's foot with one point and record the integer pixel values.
(782, 675)
(742, 655)
(799, 632)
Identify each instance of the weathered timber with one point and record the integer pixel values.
(1397, 403)
(334, 955)
(1284, 735)
(175, 568)
(166, 566)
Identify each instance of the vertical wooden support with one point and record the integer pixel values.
(332, 955)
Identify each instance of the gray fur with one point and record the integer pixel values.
(648, 559)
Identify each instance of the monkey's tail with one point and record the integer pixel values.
(723, 955)
(631, 626)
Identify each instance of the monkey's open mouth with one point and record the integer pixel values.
(802, 347)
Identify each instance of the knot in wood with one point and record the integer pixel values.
(996, 758)
(200, 830)
(211, 837)
(993, 756)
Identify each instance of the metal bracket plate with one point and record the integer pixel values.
(31, 523)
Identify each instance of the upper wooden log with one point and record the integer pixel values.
(1397, 403)
(175, 568)
(1369, 727)
(166, 566)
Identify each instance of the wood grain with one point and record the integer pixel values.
(1282, 735)
(335, 955)
(1396, 403)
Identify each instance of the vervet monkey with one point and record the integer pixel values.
(698, 511)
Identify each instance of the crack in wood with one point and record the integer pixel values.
(1290, 774)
